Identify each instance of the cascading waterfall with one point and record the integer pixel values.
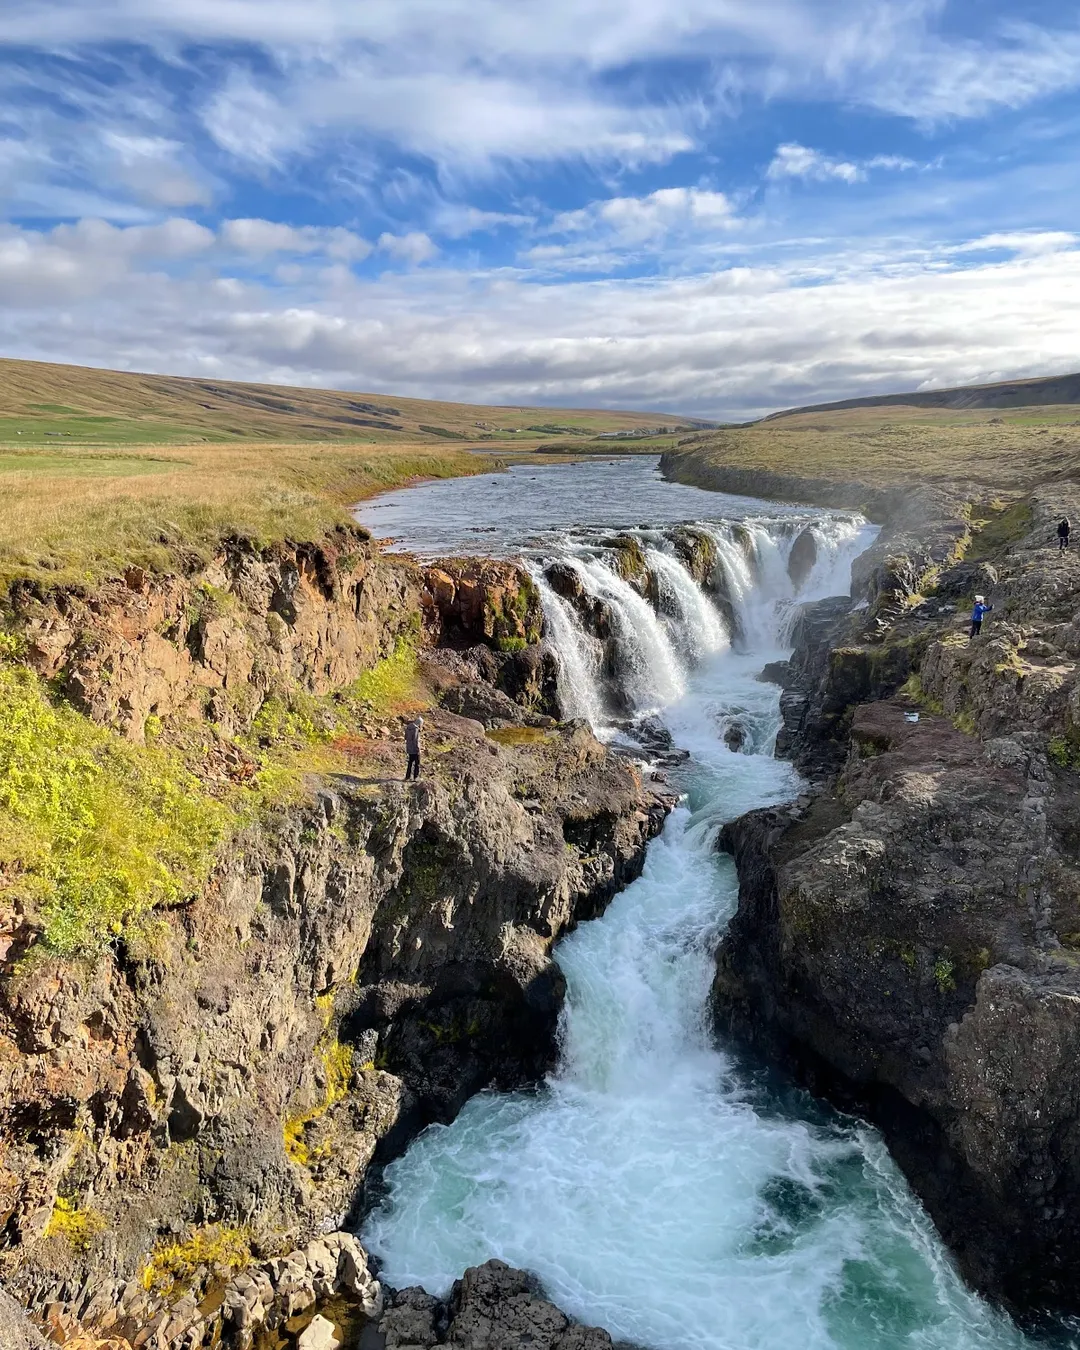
(655, 1189)
(579, 688)
(694, 621)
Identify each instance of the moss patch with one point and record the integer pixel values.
(173, 1266)
(94, 832)
(515, 736)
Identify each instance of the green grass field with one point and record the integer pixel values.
(42, 403)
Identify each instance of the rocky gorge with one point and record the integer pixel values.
(198, 1106)
(187, 1110)
(905, 939)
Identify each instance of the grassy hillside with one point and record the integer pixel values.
(44, 405)
(1053, 390)
(888, 446)
(104, 468)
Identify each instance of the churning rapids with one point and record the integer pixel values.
(656, 1187)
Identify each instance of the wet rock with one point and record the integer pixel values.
(735, 736)
(657, 742)
(696, 551)
(802, 558)
(492, 1307)
(776, 672)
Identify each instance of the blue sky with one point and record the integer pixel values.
(711, 206)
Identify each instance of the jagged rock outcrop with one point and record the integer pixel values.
(358, 969)
(484, 600)
(492, 1307)
(906, 935)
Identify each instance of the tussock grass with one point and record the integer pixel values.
(886, 447)
(78, 527)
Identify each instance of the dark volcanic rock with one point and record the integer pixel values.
(492, 1307)
(905, 938)
(801, 559)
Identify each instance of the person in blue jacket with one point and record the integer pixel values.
(981, 608)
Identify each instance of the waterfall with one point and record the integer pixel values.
(579, 686)
(649, 673)
(652, 1187)
(637, 656)
(692, 619)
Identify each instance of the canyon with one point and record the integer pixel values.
(366, 987)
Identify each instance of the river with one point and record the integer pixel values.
(659, 1187)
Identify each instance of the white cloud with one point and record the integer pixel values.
(457, 58)
(1020, 242)
(150, 166)
(262, 238)
(630, 223)
(458, 222)
(730, 341)
(799, 161)
(414, 247)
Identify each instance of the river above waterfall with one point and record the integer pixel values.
(659, 1186)
(502, 514)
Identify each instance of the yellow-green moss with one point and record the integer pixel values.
(913, 689)
(390, 683)
(337, 1061)
(76, 1225)
(172, 1266)
(513, 736)
(94, 831)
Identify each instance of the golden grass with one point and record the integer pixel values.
(70, 527)
(883, 447)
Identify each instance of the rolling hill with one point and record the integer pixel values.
(42, 403)
(1053, 390)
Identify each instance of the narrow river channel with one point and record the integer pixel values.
(659, 1188)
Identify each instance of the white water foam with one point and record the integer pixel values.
(655, 1188)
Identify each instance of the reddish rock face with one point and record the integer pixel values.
(474, 600)
(317, 616)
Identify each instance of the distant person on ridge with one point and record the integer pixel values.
(412, 747)
(1063, 535)
(981, 608)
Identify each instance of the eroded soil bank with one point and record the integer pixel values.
(907, 935)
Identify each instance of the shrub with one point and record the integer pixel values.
(172, 1266)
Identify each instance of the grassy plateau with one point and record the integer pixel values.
(889, 446)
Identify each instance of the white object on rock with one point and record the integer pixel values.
(319, 1335)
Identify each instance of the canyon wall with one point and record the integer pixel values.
(907, 932)
(365, 956)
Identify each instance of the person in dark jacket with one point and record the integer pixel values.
(1063, 535)
(981, 608)
(412, 747)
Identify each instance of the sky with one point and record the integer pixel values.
(713, 207)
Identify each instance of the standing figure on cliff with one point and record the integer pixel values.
(981, 608)
(1063, 535)
(412, 747)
